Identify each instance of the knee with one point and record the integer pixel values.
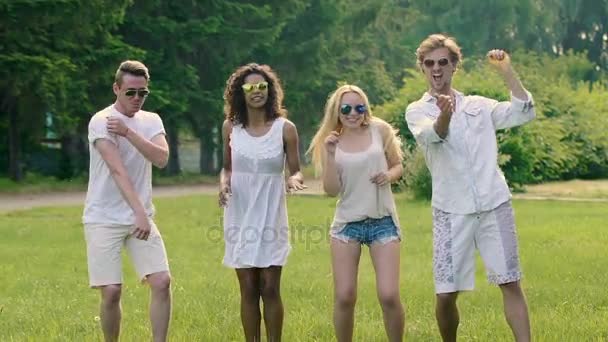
(512, 289)
(250, 292)
(160, 281)
(270, 292)
(446, 299)
(389, 299)
(346, 298)
(110, 294)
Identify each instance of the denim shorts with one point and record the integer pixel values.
(369, 231)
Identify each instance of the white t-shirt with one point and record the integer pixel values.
(104, 202)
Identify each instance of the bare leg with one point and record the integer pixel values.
(385, 258)
(516, 311)
(345, 263)
(160, 304)
(447, 315)
(110, 312)
(249, 281)
(273, 305)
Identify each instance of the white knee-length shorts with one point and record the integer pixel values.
(455, 238)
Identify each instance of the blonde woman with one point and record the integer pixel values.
(359, 156)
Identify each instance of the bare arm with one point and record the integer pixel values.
(109, 153)
(226, 172)
(155, 150)
(331, 179)
(521, 108)
(502, 62)
(422, 125)
(442, 124)
(295, 181)
(395, 167)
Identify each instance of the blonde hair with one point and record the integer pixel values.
(331, 122)
(131, 67)
(437, 41)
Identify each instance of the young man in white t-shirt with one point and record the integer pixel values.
(124, 143)
(471, 200)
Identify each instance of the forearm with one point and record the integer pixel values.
(442, 124)
(157, 155)
(514, 84)
(394, 173)
(225, 178)
(331, 181)
(127, 190)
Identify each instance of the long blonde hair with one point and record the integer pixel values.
(331, 122)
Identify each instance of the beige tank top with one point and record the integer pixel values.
(359, 197)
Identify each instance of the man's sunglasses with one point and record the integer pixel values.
(345, 109)
(249, 87)
(429, 63)
(143, 93)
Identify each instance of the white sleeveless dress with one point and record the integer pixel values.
(256, 232)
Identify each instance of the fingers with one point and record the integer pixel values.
(445, 104)
(115, 125)
(293, 186)
(380, 178)
(497, 55)
(332, 138)
(141, 234)
(223, 198)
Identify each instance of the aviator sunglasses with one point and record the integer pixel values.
(360, 109)
(249, 87)
(429, 63)
(140, 92)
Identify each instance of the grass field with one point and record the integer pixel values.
(44, 294)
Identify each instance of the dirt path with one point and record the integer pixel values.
(10, 202)
(27, 201)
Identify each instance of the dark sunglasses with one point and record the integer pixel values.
(345, 109)
(139, 92)
(429, 63)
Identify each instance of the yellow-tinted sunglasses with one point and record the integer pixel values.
(249, 87)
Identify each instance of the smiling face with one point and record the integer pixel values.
(438, 70)
(354, 117)
(255, 90)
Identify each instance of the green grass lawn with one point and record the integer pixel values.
(44, 294)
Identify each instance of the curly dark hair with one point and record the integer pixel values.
(235, 108)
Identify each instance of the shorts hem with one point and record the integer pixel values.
(144, 278)
(99, 284)
(446, 289)
(501, 280)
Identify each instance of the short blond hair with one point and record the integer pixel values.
(437, 41)
(135, 68)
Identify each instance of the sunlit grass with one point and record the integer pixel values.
(44, 294)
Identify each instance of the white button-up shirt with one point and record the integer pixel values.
(464, 166)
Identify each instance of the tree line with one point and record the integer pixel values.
(58, 58)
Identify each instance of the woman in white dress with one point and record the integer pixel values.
(360, 156)
(257, 140)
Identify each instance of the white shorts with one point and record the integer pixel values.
(104, 245)
(455, 238)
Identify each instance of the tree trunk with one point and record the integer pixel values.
(207, 149)
(173, 168)
(73, 160)
(14, 148)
